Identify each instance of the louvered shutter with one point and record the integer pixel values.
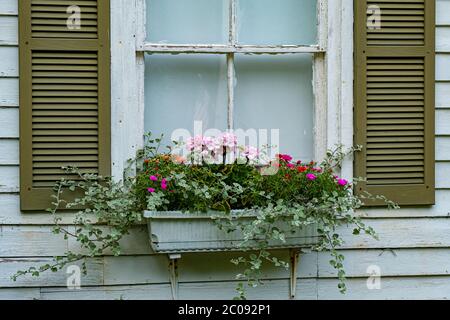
(64, 93)
(394, 99)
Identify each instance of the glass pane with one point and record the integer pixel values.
(277, 22)
(187, 21)
(182, 89)
(275, 92)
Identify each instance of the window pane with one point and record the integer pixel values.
(277, 22)
(187, 21)
(182, 89)
(275, 92)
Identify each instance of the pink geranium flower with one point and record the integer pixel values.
(342, 182)
(154, 178)
(311, 176)
(228, 140)
(151, 190)
(290, 166)
(251, 153)
(195, 143)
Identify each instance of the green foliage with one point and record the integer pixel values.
(108, 211)
(294, 196)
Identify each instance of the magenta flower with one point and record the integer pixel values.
(342, 182)
(290, 166)
(164, 184)
(311, 176)
(285, 157)
(154, 178)
(151, 190)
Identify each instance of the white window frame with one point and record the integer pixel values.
(332, 76)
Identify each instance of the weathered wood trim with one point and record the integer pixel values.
(320, 83)
(336, 124)
(346, 97)
(127, 82)
(153, 269)
(20, 294)
(10, 266)
(34, 241)
(223, 49)
(127, 292)
(9, 7)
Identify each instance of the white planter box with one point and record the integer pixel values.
(178, 232)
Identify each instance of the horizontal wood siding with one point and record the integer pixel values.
(412, 253)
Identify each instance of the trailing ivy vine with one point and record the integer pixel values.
(294, 196)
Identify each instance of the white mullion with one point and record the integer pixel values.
(232, 24)
(320, 83)
(141, 35)
(224, 49)
(322, 20)
(230, 85)
(230, 64)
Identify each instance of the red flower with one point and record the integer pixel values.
(302, 169)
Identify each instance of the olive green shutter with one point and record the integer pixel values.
(394, 100)
(64, 94)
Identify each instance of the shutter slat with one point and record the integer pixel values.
(58, 165)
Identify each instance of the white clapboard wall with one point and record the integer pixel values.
(412, 253)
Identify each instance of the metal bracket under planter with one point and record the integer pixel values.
(175, 232)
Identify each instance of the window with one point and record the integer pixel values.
(234, 64)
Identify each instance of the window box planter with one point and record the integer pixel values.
(178, 232)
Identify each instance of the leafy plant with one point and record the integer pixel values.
(295, 195)
(216, 174)
(109, 211)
